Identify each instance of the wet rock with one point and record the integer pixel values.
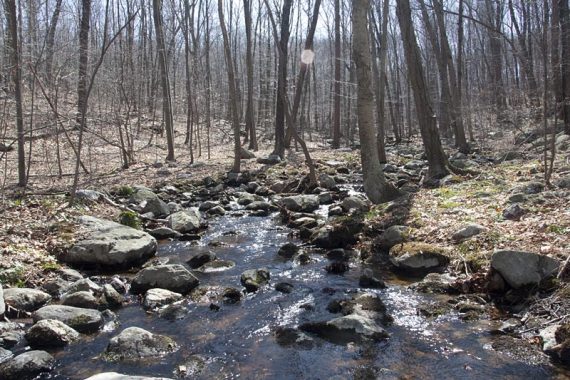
(159, 297)
(335, 211)
(119, 285)
(418, 258)
(392, 236)
(259, 205)
(339, 254)
(109, 244)
(300, 203)
(217, 266)
(173, 312)
(25, 299)
(253, 279)
(338, 235)
(288, 250)
(231, 295)
(173, 277)
(200, 259)
(514, 212)
(111, 296)
(440, 283)
(325, 198)
(337, 267)
(26, 366)
(468, 232)
(349, 328)
(5, 355)
(83, 299)
(157, 207)
(207, 205)
(163, 233)
(520, 268)
(185, 221)
(2, 305)
(84, 285)
(368, 280)
(358, 203)
(118, 376)
(51, 333)
(287, 337)
(134, 343)
(244, 199)
(83, 320)
(284, 287)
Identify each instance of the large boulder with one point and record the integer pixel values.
(109, 244)
(51, 333)
(157, 207)
(172, 277)
(418, 258)
(82, 320)
(359, 203)
(27, 366)
(118, 376)
(24, 299)
(300, 203)
(520, 268)
(134, 343)
(185, 221)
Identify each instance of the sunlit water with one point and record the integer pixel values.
(237, 341)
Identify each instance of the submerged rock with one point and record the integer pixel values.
(109, 244)
(82, 320)
(26, 366)
(520, 268)
(287, 337)
(134, 343)
(173, 277)
(418, 258)
(51, 333)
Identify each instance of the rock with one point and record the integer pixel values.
(523, 268)
(142, 194)
(418, 257)
(2, 305)
(278, 187)
(69, 274)
(118, 376)
(325, 198)
(159, 297)
(517, 198)
(157, 207)
(111, 296)
(468, 231)
(439, 283)
(349, 328)
(134, 343)
(300, 203)
(231, 295)
(393, 235)
(511, 156)
(368, 280)
(259, 205)
(288, 250)
(9, 339)
(216, 266)
(327, 181)
(514, 212)
(287, 336)
(243, 199)
(163, 233)
(24, 299)
(414, 165)
(5, 355)
(339, 254)
(200, 259)
(83, 320)
(245, 154)
(548, 336)
(218, 210)
(83, 299)
(26, 366)
(185, 221)
(88, 195)
(109, 244)
(51, 333)
(173, 277)
(205, 206)
(529, 188)
(84, 285)
(253, 279)
(564, 183)
(359, 203)
(272, 159)
(337, 267)
(284, 287)
(56, 287)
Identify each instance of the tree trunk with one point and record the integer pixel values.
(50, 40)
(83, 54)
(376, 187)
(337, 57)
(249, 120)
(565, 39)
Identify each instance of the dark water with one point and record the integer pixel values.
(238, 340)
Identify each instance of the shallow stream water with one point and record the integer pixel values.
(238, 342)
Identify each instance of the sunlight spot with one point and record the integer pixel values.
(307, 57)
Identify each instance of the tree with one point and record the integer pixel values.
(232, 87)
(83, 55)
(376, 187)
(437, 160)
(249, 120)
(16, 75)
(336, 111)
(163, 65)
(565, 60)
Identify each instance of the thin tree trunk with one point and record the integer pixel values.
(337, 58)
(83, 55)
(249, 120)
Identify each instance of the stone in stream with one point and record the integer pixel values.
(300, 203)
(287, 337)
(84, 285)
(173, 277)
(468, 232)
(25, 299)
(520, 268)
(118, 376)
(51, 333)
(231, 295)
(284, 287)
(349, 328)
(185, 221)
(288, 250)
(5, 355)
(69, 274)
(159, 297)
(439, 283)
(111, 297)
(218, 210)
(109, 244)
(157, 207)
(163, 233)
(337, 267)
(327, 181)
(359, 203)
(83, 320)
(83, 299)
(27, 366)
(418, 258)
(134, 343)
(142, 194)
(260, 206)
(368, 280)
(253, 279)
(200, 259)
(56, 287)
(216, 266)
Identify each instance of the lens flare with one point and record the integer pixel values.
(307, 57)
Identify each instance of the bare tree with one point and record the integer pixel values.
(83, 55)
(249, 119)
(337, 49)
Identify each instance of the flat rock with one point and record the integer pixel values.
(520, 268)
(418, 257)
(27, 365)
(109, 244)
(173, 277)
(134, 343)
(185, 221)
(468, 232)
(159, 297)
(25, 299)
(163, 233)
(51, 333)
(82, 320)
(301, 203)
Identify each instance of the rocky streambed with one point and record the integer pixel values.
(245, 279)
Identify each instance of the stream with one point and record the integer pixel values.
(238, 340)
